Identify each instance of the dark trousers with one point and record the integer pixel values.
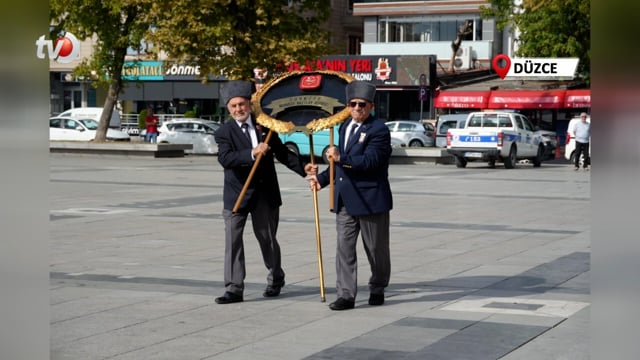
(375, 237)
(265, 225)
(582, 149)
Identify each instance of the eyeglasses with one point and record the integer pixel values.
(361, 104)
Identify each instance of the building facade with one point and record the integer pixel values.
(168, 86)
(413, 38)
(424, 27)
(429, 27)
(68, 91)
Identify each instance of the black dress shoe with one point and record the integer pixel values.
(342, 304)
(272, 290)
(229, 298)
(376, 299)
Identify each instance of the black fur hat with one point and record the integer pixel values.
(236, 88)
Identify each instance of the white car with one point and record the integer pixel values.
(570, 142)
(74, 129)
(198, 132)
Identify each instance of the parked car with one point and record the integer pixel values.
(75, 129)
(298, 143)
(397, 143)
(550, 142)
(446, 122)
(198, 132)
(570, 142)
(92, 113)
(412, 133)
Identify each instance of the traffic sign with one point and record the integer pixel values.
(423, 94)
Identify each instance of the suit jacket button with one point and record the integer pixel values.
(340, 178)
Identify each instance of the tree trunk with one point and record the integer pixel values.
(452, 62)
(112, 95)
(105, 118)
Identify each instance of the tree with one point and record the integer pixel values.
(225, 37)
(547, 28)
(463, 30)
(231, 38)
(117, 26)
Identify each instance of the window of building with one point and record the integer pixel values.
(426, 28)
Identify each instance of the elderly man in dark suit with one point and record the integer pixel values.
(240, 140)
(362, 197)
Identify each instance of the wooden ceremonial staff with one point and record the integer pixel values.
(315, 202)
(317, 216)
(253, 170)
(331, 171)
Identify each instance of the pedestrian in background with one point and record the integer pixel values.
(363, 197)
(240, 141)
(151, 123)
(582, 133)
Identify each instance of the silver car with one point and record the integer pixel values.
(412, 133)
(198, 132)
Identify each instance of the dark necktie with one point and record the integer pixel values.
(354, 128)
(245, 130)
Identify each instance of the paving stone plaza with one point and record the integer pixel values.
(486, 264)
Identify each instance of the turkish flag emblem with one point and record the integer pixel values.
(310, 82)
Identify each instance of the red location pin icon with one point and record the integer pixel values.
(501, 71)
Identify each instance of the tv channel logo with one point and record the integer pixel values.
(534, 68)
(64, 50)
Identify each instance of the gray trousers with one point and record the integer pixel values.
(375, 237)
(265, 225)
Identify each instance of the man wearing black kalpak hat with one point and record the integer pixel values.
(240, 141)
(362, 200)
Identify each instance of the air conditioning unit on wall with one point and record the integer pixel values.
(463, 60)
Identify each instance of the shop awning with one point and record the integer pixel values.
(462, 99)
(577, 99)
(526, 99)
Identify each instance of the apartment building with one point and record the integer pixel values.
(406, 35)
(428, 27)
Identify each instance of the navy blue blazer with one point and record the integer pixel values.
(234, 154)
(362, 175)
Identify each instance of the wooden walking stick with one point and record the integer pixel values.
(253, 170)
(331, 171)
(317, 217)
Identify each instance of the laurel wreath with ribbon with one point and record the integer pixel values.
(314, 125)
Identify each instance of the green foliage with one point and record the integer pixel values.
(141, 117)
(116, 25)
(548, 28)
(231, 38)
(224, 37)
(190, 114)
